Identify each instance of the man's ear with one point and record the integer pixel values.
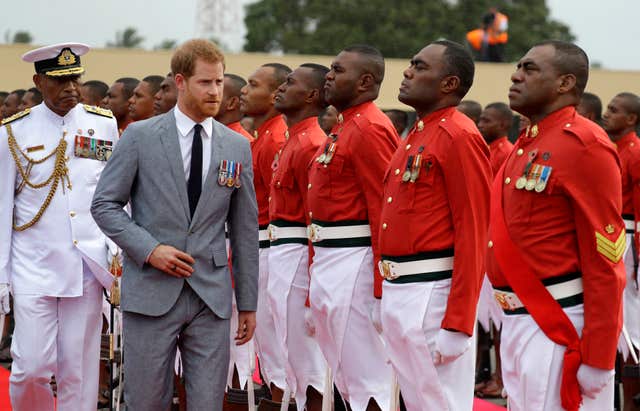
(37, 80)
(233, 103)
(366, 82)
(180, 81)
(449, 84)
(567, 83)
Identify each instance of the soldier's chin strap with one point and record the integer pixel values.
(544, 309)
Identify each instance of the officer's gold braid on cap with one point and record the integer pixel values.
(59, 173)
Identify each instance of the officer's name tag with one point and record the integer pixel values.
(92, 148)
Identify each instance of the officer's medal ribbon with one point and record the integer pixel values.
(417, 165)
(230, 177)
(415, 168)
(222, 173)
(407, 171)
(544, 178)
(92, 148)
(330, 152)
(323, 156)
(236, 174)
(531, 181)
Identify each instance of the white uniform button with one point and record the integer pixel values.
(310, 214)
(397, 171)
(408, 147)
(389, 200)
(507, 180)
(520, 152)
(384, 226)
(490, 244)
(278, 184)
(309, 186)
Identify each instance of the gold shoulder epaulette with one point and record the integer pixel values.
(16, 116)
(98, 110)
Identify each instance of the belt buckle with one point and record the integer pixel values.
(313, 232)
(502, 300)
(386, 270)
(271, 232)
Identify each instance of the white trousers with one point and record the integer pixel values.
(287, 292)
(267, 344)
(341, 295)
(61, 337)
(239, 355)
(532, 366)
(411, 317)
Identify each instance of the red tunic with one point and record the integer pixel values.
(349, 188)
(291, 175)
(572, 225)
(237, 127)
(446, 207)
(499, 150)
(629, 153)
(269, 140)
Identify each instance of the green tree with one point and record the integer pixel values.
(128, 38)
(167, 44)
(398, 30)
(22, 37)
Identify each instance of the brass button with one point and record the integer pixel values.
(309, 186)
(507, 180)
(278, 184)
(490, 244)
(310, 214)
(408, 147)
(384, 226)
(520, 152)
(568, 125)
(269, 199)
(397, 171)
(389, 200)
(75, 242)
(72, 213)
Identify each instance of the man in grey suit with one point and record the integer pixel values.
(185, 175)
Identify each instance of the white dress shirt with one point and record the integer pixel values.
(185, 131)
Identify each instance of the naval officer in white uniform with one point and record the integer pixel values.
(53, 257)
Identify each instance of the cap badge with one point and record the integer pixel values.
(66, 58)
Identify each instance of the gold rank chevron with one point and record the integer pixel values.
(611, 250)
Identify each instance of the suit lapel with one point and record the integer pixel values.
(169, 139)
(212, 174)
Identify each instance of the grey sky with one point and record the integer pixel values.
(605, 29)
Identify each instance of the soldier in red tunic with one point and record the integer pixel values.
(434, 224)
(556, 242)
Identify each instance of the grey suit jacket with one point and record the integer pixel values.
(146, 170)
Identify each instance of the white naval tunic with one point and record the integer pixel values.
(46, 259)
(57, 267)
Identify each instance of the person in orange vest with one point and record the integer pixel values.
(556, 242)
(497, 37)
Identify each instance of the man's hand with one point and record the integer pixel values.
(449, 346)
(246, 326)
(593, 380)
(5, 308)
(172, 261)
(376, 315)
(309, 324)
